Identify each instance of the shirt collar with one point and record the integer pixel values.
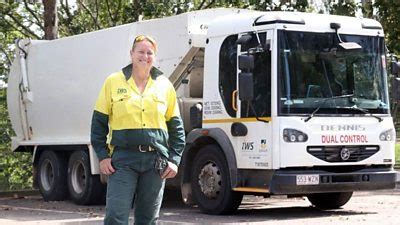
(154, 72)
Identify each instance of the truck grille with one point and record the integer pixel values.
(343, 153)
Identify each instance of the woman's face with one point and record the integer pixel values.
(143, 55)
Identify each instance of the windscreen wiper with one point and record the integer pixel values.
(365, 111)
(323, 103)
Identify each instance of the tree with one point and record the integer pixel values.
(50, 19)
(341, 7)
(20, 20)
(367, 8)
(389, 16)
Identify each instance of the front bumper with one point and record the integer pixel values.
(284, 181)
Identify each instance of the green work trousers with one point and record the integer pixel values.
(135, 179)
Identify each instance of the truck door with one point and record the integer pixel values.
(254, 149)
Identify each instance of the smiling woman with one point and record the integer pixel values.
(138, 106)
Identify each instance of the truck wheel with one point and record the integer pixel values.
(52, 173)
(211, 185)
(84, 188)
(329, 200)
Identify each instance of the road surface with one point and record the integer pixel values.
(367, 208)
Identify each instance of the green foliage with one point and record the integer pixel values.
(10, 31)
(341, 7)
(22, 17)
(5, 128)
(389, 16)
(15, 168)
(15, 171)
(94, 15)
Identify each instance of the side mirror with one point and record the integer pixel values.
(395, 68)
(244, 39)
(246, 62)
(396, 89)
(246, 86)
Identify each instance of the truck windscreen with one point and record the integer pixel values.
(312, 67)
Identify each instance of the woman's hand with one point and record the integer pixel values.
(170, 171)
(106, 167)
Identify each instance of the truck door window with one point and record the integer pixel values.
(228, 71)
(262, 81)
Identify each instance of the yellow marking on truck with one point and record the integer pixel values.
(251, 189)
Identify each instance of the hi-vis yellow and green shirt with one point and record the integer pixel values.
(130, 118)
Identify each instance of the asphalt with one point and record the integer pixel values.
(71, 217)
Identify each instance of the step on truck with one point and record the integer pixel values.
(273, 103)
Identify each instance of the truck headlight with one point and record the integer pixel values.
(292, 135)
(387, 135)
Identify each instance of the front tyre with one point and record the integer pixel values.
(52, 171)
(210, 181)
(84, 188)
(329, 200)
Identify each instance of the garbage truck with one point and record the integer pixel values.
(273, 103)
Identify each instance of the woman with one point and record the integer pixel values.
(136, 117)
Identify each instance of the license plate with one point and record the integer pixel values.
(307, 179)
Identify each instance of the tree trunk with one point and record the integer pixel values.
(50, 19)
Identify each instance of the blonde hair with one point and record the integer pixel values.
(141, 38)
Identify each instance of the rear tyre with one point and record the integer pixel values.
(329, 200)
(211, 185)
(52, 173)
(84, 188)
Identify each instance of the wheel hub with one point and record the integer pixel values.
(78, 177)
(210, 180)
(47, 175)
